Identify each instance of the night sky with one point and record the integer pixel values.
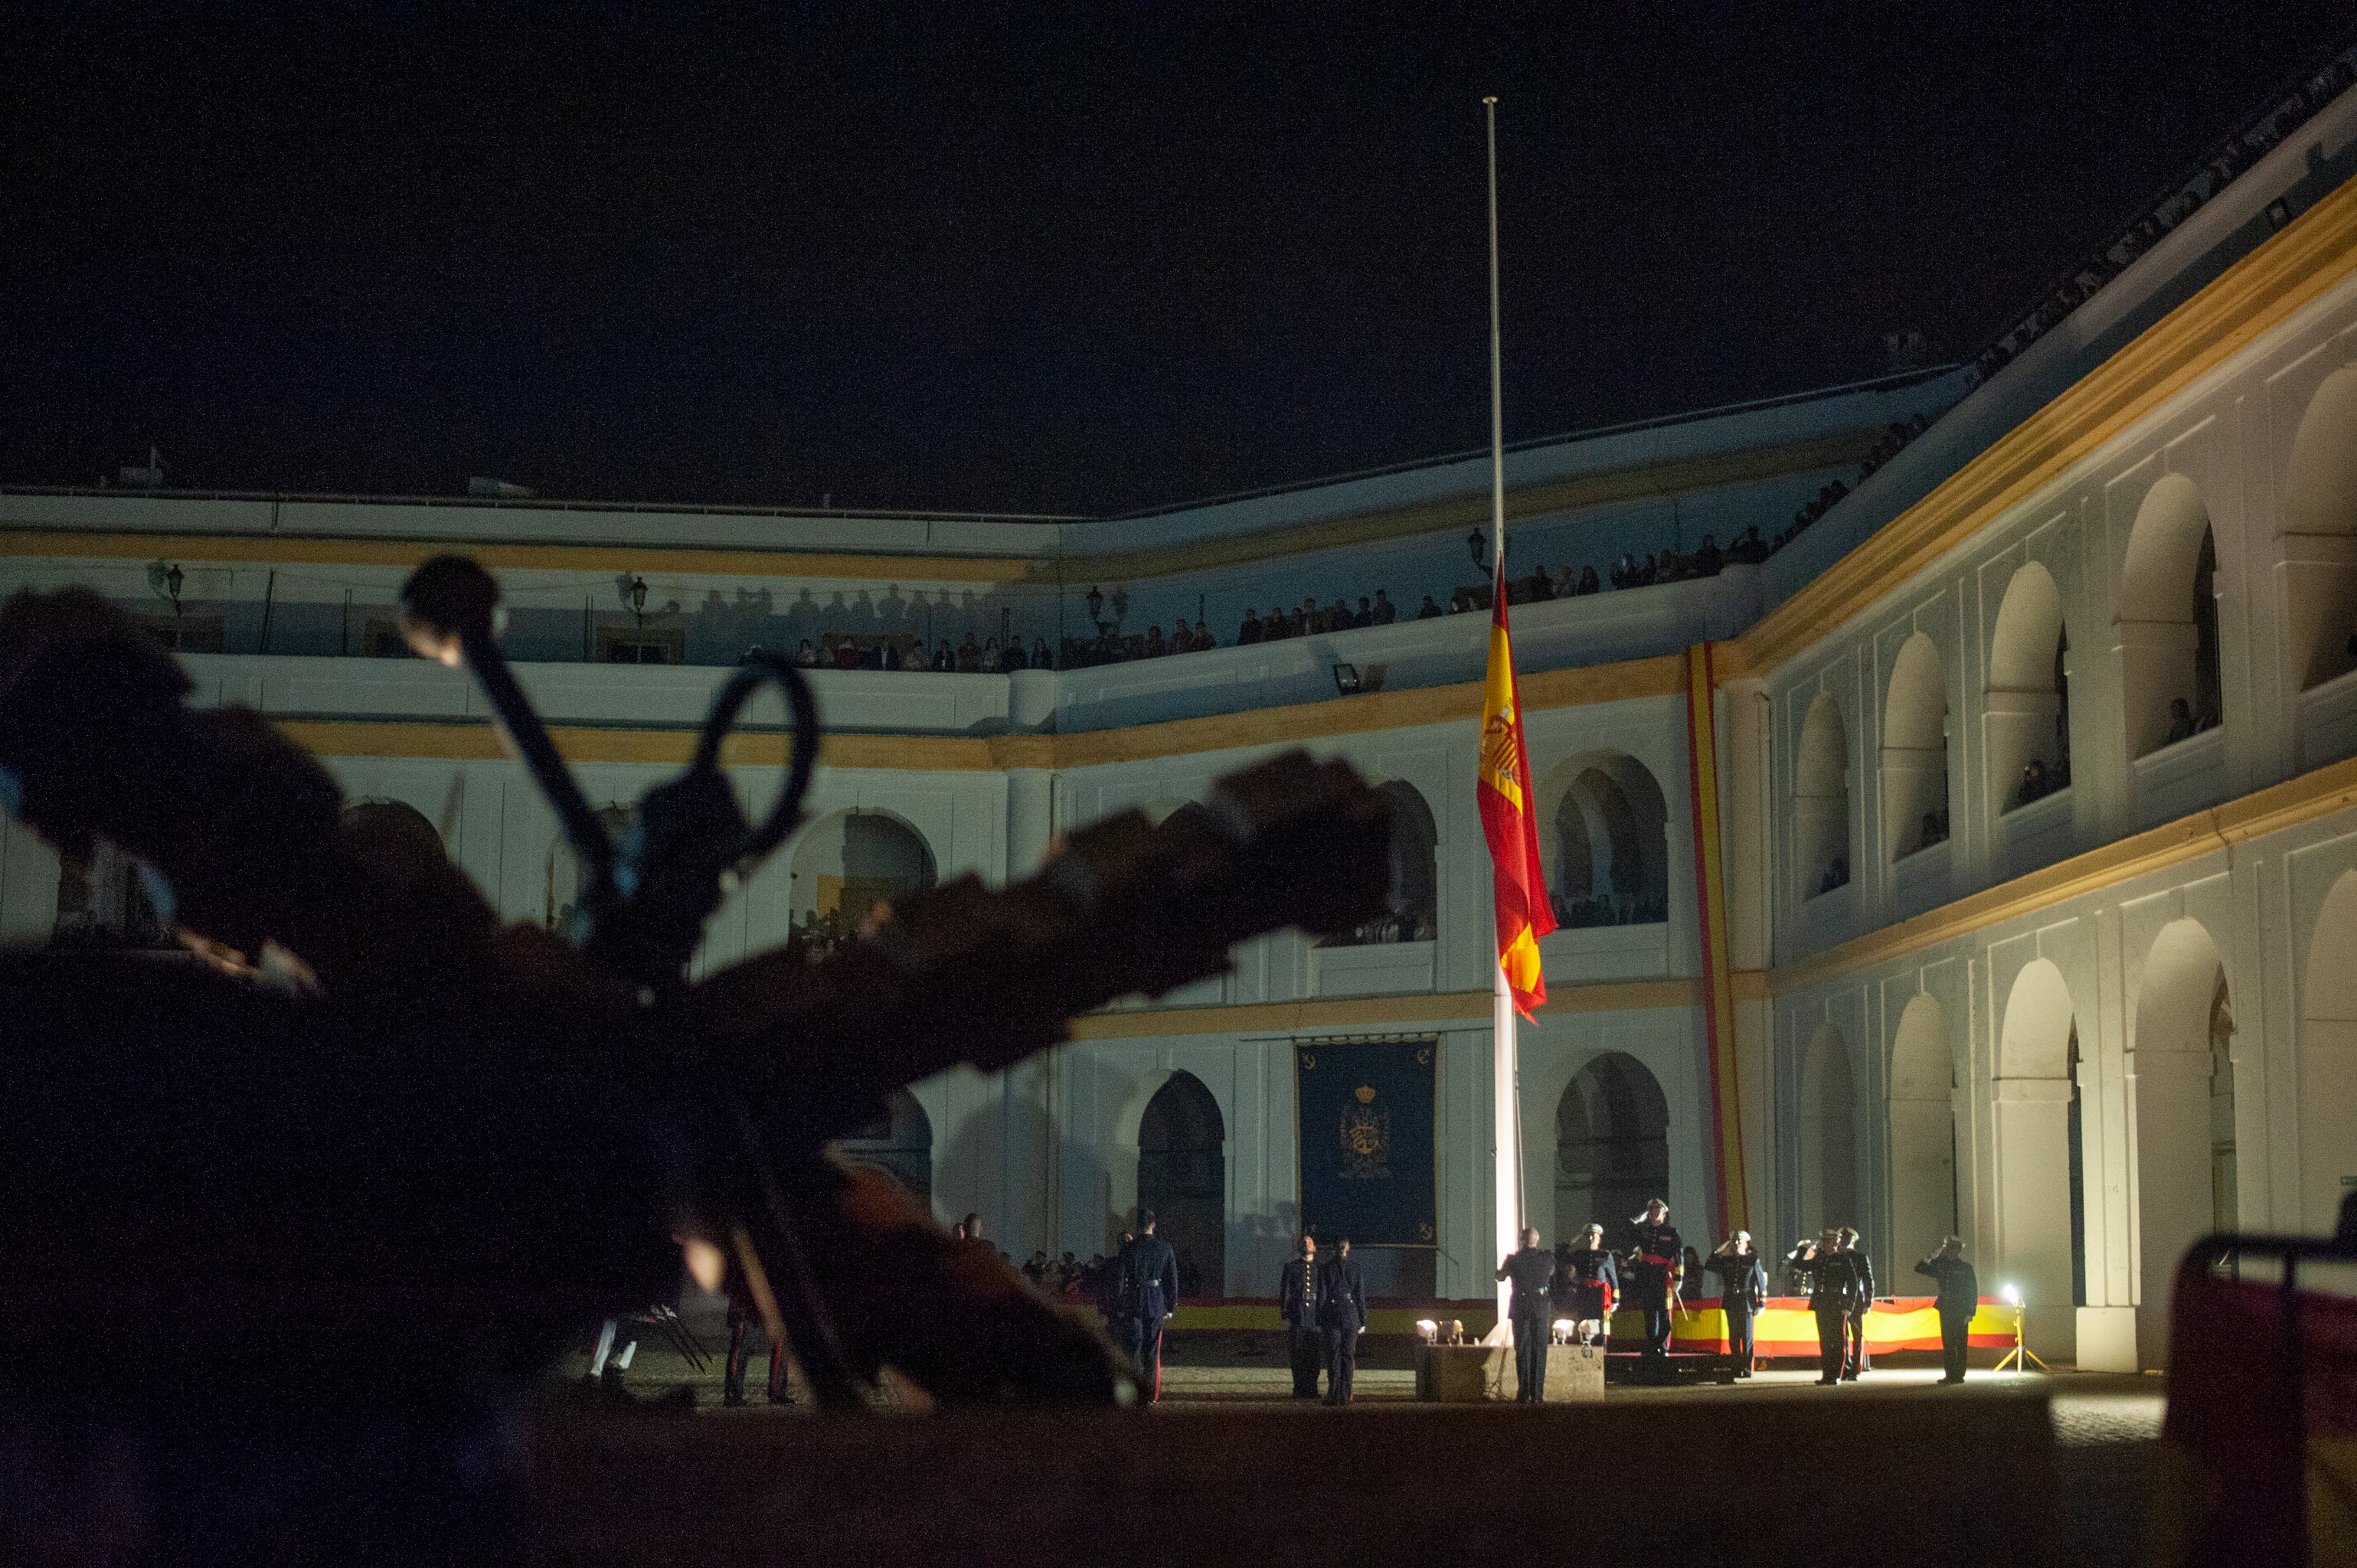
(1024, 257)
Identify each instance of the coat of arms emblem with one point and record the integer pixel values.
(1366, 1139)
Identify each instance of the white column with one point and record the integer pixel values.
(2169, 1094)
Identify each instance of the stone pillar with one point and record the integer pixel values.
(2033, 1200)
(1030, 820)
(2168, 1096)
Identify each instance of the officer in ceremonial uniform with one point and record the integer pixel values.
(1145, 1290)
(1656, 1259)
(1532, 1271)
(1742, 1291)
(1296, 1303)
(1959, 1298)
(1861, 1301)
(1342, 1312)
(1586, 1279)
(740, 1335)
(1832, 1285)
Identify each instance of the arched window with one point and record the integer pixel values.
(394, 837)
(1922, 1133)
(2328, 1058)
(2171, 1059)
(2169, 619)
(846, 865)
(1413, 913)
(2037, 1147)
(1915, 751)
(2029, 699)
(898, 1142)
(1604, 830)
(2320, 516)
(1183, 1176)
(1821, 800)
(1828, 1134)
(1613, 1147)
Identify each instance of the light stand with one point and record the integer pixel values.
(2021, 1356)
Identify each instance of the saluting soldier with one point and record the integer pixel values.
(1532, 1271)
(1586, 1279)
(1297, 1302)
(1342, 1311)
(1861, 1301)
(1145, 1290)
(1656, 1259)
(1832, 1282)
(1742, 1291)
(1959, 1298)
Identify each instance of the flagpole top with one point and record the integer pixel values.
(1492, 100)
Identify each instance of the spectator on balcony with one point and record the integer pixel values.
(2035, 783)
(846, 653)
(1750, 550)
(1041, 658)
(1154, 646)
(1015, 658)
(1429, 610)
(969, 656)
(944, 656)
(1386, 612)
(1249, 632)
(1366, 615)
(806, 657)
(2180, 720)
(991, 662)
(1708, 560)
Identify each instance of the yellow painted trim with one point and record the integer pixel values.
(1332, 1012)
(482, 742)
(2315, 252)
(2295, 802)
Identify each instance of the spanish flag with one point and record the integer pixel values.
(1509, 820)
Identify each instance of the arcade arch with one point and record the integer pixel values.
(1411, 913)
(2027, 706)
(1915, 751)
(1606, 840)
(1613, 1146)
(2172, 1058)
(1828, 1128)
(2040, 1211)
(2320, 521)
(1923, 1207)
(560, 868)
(1821, 800)
(2327, 1059)
(898, 1142)
(2169, 619)
(1183, 1176)
(846, 866)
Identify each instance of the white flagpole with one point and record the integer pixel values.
(1505, 1064)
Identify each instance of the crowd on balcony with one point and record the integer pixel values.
(842, 650)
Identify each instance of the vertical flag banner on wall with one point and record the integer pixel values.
(1369, 1166)
(1718, 981)
(1510, 817)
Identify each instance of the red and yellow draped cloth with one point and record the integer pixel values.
(1510, 818)
(1786, 1327)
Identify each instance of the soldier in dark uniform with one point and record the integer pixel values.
(740, 1335)
(1342, 1312)
(1656, 1259)
(1532, 1271)
(1959, 1298)
(1831, 1285)
(1296, 1303)
(1586, 1279)
(1145, 1290)
(1742, 1290)
(1861, 1303)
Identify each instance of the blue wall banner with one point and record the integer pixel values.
(1369, 1154)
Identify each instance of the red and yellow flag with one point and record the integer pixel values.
(1510, 818)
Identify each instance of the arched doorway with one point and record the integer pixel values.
(1915, 751)
(1413, 911)
(1821, 800)
(898, 1142)
(843, 867)
(2327, 1059)
(561, 867)
(2171, 1064)
(1613, 1147)
(1922, 1134)
(1605, 828)
(1828, 1134)
(2169, 619)
(2028, 704)
(2319, 515)
(2040, 1208)
(1183, 1176)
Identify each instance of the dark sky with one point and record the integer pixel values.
(1023, 256)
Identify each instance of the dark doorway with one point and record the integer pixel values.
(1612, 1148)
(898, 1142)
(2078, 1182)
(1183, 1176)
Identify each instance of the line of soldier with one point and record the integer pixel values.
(1324, 1304)
(1841, 1290)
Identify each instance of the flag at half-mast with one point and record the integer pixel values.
(1510, 818)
